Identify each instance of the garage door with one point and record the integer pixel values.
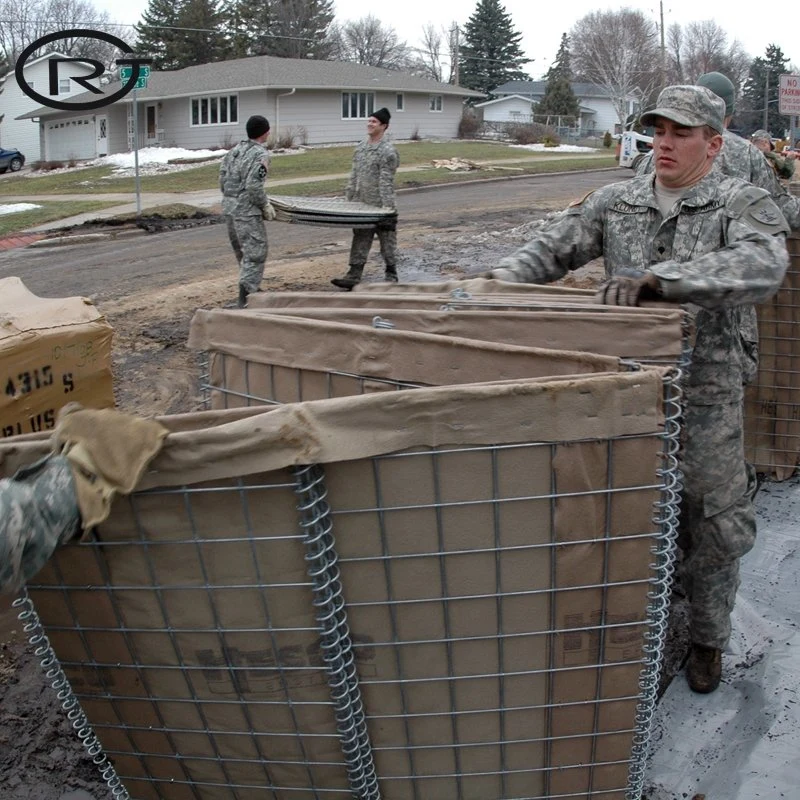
(70, 138)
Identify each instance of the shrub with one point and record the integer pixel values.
(531, 133)
(607, 140)
(470, 124)
(415, 137)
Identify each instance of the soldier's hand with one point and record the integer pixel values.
(268, 212)
(625, 291)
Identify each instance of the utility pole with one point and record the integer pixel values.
(455, 54)
(766, 100)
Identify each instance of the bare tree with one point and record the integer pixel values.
(702, 47)
(24, 21)
(437, 54)
(367, 41)
(618, 50)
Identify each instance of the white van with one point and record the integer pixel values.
(633, 146)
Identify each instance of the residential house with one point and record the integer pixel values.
(205, 106)
(18, 131)
(513, 101)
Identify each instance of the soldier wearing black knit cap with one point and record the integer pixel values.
(372, 181)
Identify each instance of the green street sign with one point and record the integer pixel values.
(126, 72)
(141, 83)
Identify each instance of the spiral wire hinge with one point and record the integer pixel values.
(337, 646)
(43, 650)
(666, 518)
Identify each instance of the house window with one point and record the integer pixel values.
(435, 102)
(401, 102)
(63, 86)
(214, 110)
(357, 105)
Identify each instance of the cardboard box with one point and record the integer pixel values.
(52, 351)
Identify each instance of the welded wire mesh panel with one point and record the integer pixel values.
(197, 654)
(470, 607)
(498, 602)
(256, 357)
(772, 404)
(234, 382)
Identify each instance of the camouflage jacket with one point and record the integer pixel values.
(241, 179)
(742, 159)
(721, 247)
(372, 176)
(38, 512)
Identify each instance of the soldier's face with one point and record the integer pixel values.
(762, 145)
(682, 155)
(375, 127)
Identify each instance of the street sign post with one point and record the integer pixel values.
(141, 83)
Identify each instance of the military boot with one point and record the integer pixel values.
(704, 669)
(352, 278)
(391, 274)
(243, 293)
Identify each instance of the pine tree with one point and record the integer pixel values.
(764, 72)
(491, 54)
(247, 27)
(559, 99)
(202, 39)
(156, 34)
(301, 28)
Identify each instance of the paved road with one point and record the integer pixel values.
(112, 269)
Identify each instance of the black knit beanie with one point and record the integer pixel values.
(256, 126)
(382, 115)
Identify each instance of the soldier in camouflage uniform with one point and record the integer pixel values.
(372, 181)
(689, 235)
(782, 166)
(38, 512)
(245, 204)
(741, 159)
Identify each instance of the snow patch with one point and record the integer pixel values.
(13, 208)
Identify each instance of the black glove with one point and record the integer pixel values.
(625, 291)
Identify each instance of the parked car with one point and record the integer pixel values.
(11, 159)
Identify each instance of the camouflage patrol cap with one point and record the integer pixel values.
(760, 134)
(722, 86)
(692, 106)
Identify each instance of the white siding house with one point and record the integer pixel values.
(316, 102)
(597, 112)
(26, 134)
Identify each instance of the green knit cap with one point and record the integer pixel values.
(722, 87)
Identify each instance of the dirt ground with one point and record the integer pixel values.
(155, 373)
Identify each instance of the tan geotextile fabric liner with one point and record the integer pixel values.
(772, 402)
(256, 356)
(644, 337)
(182, 648)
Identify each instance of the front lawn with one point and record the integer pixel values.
(315, 163)
(48, 212)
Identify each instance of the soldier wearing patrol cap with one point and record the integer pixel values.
(686, 234)
(245, 204)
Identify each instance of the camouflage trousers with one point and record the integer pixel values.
(362, 242)
(717, 523)
(38, 512)
(248, 236)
